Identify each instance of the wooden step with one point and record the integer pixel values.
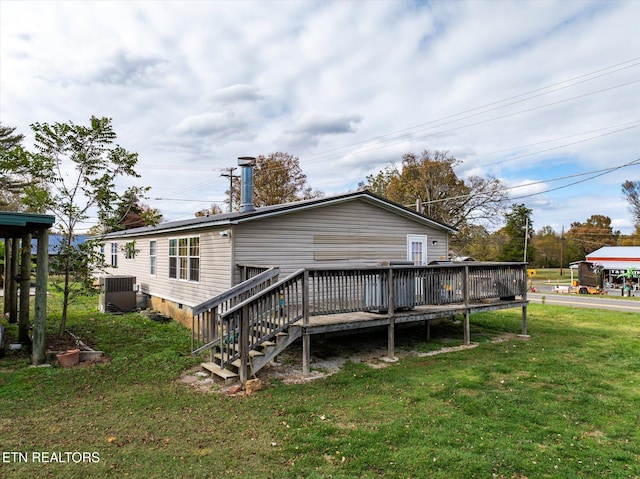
(225, 374)
(262, 330)
(252, 354)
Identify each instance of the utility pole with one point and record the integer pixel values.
(231, 176)
(526, 238)
(561, 250)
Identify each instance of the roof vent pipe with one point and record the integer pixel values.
(246, 183)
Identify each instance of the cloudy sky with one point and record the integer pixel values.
(544, 95)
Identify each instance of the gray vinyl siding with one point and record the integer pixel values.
(340, 234)
(215, 267)
(351, 233)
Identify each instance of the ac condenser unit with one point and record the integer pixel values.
(117, 294)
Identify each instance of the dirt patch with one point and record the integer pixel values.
(58, 343)
(329, 355)
(55, 342)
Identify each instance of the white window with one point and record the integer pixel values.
(152, 257)
(184, 258)
(114, 255)
(417, 249)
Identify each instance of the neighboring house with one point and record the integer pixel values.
(615, 261)
(183, 263)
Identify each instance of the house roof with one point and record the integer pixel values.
(56, 239)
(616, 257)
(227, 219)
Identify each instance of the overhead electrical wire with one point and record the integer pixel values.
(321, 156)
(600, 172)
(609, 170)
(476, 111)
(629, 63)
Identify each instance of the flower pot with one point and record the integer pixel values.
(69, 358)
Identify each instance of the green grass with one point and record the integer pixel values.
(553, 274)
(563, 404)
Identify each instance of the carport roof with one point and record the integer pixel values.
(13, 224)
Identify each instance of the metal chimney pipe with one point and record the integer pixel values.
(246, 164)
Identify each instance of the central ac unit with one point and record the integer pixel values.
(117, 293)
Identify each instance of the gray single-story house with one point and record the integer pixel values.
(180, 264)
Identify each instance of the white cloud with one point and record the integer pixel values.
(348, 87)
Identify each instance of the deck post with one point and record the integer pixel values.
(524, 297)
(12, 283)
(467, 329)
(306, 338)
(25, 286)
(6, 272)
(392, 323)
(465, 292)
(244, 344)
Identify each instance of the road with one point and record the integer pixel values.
(586, 301)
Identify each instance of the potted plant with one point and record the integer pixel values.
(69, 358)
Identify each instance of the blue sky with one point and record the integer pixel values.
(526, 91)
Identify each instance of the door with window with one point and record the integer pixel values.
(417, 249)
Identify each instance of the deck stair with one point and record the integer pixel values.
(258, 358)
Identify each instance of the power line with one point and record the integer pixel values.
(493, 106)
(600, 172)
(604, 172)
(486, 108)
(626, 128)
(627, 64)
(184, 199)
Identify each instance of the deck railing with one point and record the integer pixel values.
(205, 324)
(333, 291)
(258, 317)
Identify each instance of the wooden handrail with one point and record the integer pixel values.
(236, 290)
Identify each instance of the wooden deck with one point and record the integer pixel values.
(316, 301)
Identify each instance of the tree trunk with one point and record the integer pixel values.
(66, 290)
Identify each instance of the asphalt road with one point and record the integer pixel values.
(586, 301)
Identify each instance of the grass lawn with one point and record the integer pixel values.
(553, 275)
(565, 403)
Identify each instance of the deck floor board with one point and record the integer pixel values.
(363, 319)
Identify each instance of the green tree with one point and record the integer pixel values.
(519, 230)
(75, 168)
(474, 241)
(431, 179)
(593, 234)
(547, 247)
(277, 179)
(131, 212)
(13, 177)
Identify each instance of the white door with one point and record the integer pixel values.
(417, 249)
